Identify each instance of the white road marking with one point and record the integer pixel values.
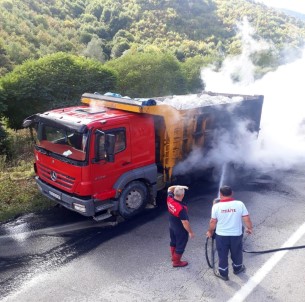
(246, 290)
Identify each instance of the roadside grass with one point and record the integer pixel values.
(18, 191)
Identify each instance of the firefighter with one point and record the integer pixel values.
(227, 218)
(179, 226)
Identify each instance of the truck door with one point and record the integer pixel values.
(105, 173)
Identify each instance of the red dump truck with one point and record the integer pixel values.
(111, 155)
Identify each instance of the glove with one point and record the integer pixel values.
(184, 187)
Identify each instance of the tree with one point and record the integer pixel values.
(123, 36)
(118, 49)
(53, 81)
(191, 69)
(94, 50)
(3, 107)
(5, 62)
(148, 74)
(95, 8)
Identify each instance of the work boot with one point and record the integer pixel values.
(177, 261)
(241, 269)
(217, 274)
(173, 249)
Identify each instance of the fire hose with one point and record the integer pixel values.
(210, 257)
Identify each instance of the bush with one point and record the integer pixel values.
(4, 149)
(17, 146)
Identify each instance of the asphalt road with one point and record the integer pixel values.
(61, 256)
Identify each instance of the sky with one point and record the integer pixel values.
(295, 5)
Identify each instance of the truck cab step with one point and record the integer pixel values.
(102, 217)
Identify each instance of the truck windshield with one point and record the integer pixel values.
(67, 143)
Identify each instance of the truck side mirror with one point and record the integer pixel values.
(29, 121)
(109, 146)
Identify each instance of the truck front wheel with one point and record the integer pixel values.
(133, 199)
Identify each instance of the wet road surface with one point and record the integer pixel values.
(61, 256)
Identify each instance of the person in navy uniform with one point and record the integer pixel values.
(228, 216)
(179, 225)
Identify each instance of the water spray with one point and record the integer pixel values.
(222, 177)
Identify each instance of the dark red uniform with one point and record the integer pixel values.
(177, 212)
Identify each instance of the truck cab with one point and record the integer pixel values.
(86, 156)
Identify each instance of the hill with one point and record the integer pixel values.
(105, 29)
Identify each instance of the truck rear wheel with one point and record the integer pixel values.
(133, 199)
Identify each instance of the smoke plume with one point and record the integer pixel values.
(281, 140)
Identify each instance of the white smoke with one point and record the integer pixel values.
(282, 138)
(239, 67)
(281, 141)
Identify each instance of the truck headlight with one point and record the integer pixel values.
(79, 207)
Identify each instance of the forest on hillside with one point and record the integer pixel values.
(106, 29)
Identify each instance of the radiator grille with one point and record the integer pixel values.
(63, 180)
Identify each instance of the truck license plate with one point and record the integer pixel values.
(54, 195)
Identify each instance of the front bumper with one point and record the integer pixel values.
(85, 207)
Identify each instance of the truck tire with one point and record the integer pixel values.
(133, 199)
